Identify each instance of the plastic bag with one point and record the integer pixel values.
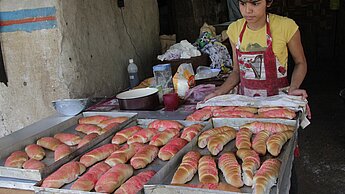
(199, 92)
(183, 79)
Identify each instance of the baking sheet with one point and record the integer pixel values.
(160, 183)
(67, 126)
(156, 165)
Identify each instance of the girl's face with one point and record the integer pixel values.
(254, 11)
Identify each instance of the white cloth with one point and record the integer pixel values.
(182, 50)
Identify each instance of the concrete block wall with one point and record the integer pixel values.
(70, 49)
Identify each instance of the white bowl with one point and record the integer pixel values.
(70, 107)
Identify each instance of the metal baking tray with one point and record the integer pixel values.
(156, 165)
(67, 126)
(160, 183)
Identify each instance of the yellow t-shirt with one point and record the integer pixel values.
(282, 30)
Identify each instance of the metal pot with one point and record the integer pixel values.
(139, 99)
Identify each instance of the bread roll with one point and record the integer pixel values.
(257, 126)
(259, 142)
(165, 124)
(163, 137)
(135, 183)
(61, 151)
(49, 143)
(191, 131)
(16, 159)
(276, 141)
(116, 120)
(142, 136)
(228, 164)
(93, 119)
(171, 148)
(89, 128)
(86, 139)
(200, 115)
(98, 154)
(250, 163)
(68, 138)
(122, 155)
(207, 169)
(187, 168)
(33, 164)
(243, 139)
(276, 112)
(144, 156)
(216, 143)
(203, 138)
(123, 135)
(266, 176)
(35, 151)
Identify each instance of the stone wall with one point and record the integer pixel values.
(79, 49)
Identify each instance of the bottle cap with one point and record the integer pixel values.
(131, 60)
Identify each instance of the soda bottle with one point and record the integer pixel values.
(133, 74)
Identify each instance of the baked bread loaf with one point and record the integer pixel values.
(203, 138)
(93, 119)
(64, 175)
(200, 115)
(190, 132)
(163, 137)
(114, 178)
(16, 159)
(250, 163)
(259, 142)
(188, 167)
(243, 137)
(61, 151)
(228, 164)
(122, 136)
(171, 148)
(135, 183)
(266, 176)
(276, 112)
(257, 126)
(165, 124)
(142, 136)
(122, 155)
(86, 139)
(98, 154)
(276, 141)
(68, 138)
(49, 143)
(89, 128)
(88, 180)
(144, 156)
(33, 164)
(116, 120)
(216, 143)
(35, 151)
(207, 169)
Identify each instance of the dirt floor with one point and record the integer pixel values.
(321, 165)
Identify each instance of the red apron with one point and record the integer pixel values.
(261, 74)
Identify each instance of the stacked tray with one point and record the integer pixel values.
(66, 126)
(160, 183)
(156, 165)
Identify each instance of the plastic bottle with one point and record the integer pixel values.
(133, 73)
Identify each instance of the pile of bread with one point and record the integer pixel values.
(62, 144)
(251, 172)
(112, 166)
(240, 112)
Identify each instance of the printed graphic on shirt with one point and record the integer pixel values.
(252, 67)
(254, 47)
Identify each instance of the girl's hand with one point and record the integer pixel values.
(303, 93)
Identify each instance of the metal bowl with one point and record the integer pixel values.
(70, 107)
(139, 99)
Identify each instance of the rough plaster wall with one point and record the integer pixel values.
(86, 55)
(96, 46)
(30, 61)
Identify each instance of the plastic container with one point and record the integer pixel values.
(133, 74)
(163, 77)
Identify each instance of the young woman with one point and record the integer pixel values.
(260, 43)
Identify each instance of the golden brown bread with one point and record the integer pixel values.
(207, 169)
(35, 151)
(123, 135)
(142, 136)
(122, 155)
(64, 175)
(115, 120)
(88, 180)
(228, 164)
(33, 164)
(171, 148)
(98, 154)
(93, 119)
(200, 115)
(49, 143)
(259, 142)
(144, 156)
(163, 137)
(250, 163)
(191, 131)
(87, 139)
(61, 151)
(89, 128)
(266, 176)
(165, 124)
(203, 138)
(135, 183)
(68, 138)
(257, 126)
(16, 159)
(216, 143)
(187, 168)
(114, 178)
(276, 141)
(243, 137)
